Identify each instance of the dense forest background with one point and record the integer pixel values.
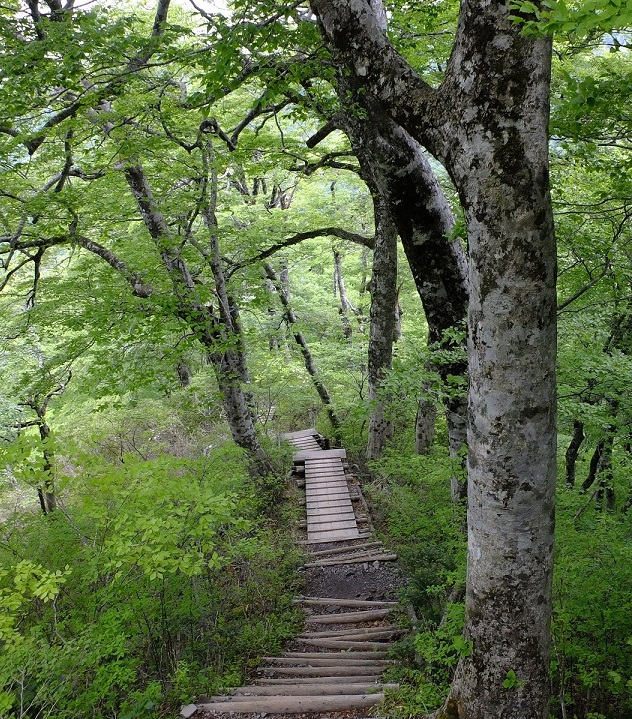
(187, 241)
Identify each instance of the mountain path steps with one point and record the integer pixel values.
(336, 663)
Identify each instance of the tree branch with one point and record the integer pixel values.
(585, 288)
(310, 234)
(326, 130)
(357, 33)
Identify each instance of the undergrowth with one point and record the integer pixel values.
(159, 577)
(591, 663)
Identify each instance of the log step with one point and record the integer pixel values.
(310, 689)
(349, 617)
(332, 601)
(336, 655)
(340, 671)
(335, 661)
(342, 644)
(344, 633)
(350, 548)
(297, 704)
(361, 559)
(328, 679)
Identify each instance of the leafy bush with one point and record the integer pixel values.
(155, 581)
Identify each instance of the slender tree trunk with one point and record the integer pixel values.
(593, 467)
(573, 451)
(345, 304)
(425, 426)
(606, 479)
(47, 491)
(215, 335)
(382, 333)
(308, 359)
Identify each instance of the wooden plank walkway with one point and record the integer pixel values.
(330, 515)
(336, 663)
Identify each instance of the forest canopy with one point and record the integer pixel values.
(221, 223)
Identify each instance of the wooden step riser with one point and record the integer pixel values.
(334, 662)
(355, 670)
(297, 705)
(328, 679)
(307, 690)
(349, 617)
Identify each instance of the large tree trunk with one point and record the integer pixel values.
(382, 333)
(501, 173)
(488, 124)
(393, 164)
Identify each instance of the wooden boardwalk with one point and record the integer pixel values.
(330, 515)
(336, 663)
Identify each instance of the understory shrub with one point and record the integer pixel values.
(154, 581)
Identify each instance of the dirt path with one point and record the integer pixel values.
(333, 669)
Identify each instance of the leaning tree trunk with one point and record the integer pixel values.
(393, 164)
(310, 365)
(488, 125)
(211, 333)
(382, 333)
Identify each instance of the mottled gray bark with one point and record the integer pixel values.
(488, 124)
(394, 165)
(310, 365)
(382, 333)
(425, 426)
(499, 163)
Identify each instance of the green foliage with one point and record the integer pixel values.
(591, 665)
(422, 524)
(579, 18)
(156, 582)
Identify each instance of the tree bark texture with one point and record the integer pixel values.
(425, 426)
(382, 333)
(488, 124)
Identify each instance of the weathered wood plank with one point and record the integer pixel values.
(337, 660)
(352, 560)
(316, 680)
(333, 601)
(344, 633)
(349, 617)
(339, 671)
(303, 456)
(311, 432)
(339, 655)
(296, 705)
(340, 536)
(310, 689)
(343, 644)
